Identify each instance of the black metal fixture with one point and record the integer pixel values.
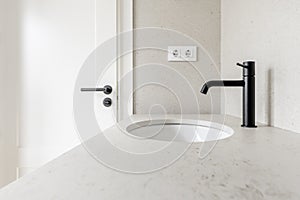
(106, 89)
(107, 102)
(248, 85)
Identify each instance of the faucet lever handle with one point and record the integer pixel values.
(241, 65)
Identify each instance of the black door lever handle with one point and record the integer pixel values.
(106, 89)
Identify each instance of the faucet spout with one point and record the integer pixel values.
(222, 83)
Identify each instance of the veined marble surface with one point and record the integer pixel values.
(254, 164)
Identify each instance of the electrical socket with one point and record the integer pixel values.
(182, 53)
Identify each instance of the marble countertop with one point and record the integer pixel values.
(262, 163)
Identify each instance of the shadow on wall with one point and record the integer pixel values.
(10, 73)
(270, 101)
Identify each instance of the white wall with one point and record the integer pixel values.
(199, 19)
(268, 32)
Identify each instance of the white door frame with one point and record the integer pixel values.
(125, 63)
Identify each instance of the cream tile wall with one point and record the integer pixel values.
(199, 19)
(267, 31)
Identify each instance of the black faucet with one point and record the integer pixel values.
(248, 85)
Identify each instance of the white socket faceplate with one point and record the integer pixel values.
(182, 54)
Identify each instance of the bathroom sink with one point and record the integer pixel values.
(182, 131)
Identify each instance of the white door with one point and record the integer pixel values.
(57, 36)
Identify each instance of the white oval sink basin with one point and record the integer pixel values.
(184, 131)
